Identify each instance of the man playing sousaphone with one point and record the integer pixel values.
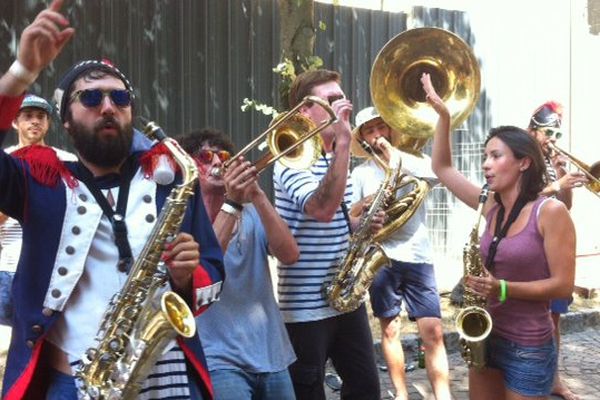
(411, 275)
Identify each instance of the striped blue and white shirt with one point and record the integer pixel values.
(322, 244)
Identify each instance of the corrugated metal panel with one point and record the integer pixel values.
(191, 61)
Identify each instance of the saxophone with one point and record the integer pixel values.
(140, 322)
(356, 271)
(473, 322)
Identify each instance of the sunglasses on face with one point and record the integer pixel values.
(551, 132)
(91, 98)
(206, 156)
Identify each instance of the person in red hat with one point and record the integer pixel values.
(545, 126)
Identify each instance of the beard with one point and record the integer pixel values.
(106, 152)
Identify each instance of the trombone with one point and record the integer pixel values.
(288, 132)
(591, 172)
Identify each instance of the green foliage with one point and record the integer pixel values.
(287, 71)
(249, 104)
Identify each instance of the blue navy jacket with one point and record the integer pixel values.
(41, 288)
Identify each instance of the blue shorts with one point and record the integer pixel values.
(527, 370)
(413, 283)
(560, 306)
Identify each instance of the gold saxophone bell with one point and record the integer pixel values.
(396, 88)
(591, 172)
(291, 138)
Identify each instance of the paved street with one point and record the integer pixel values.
(579, 364)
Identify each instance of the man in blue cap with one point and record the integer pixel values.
(31, 124)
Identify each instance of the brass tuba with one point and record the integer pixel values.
(398, 95)
(591, 172)
(396, 88)
(473, 322)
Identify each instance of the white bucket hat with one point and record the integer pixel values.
(365, 115)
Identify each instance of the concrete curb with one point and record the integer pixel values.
(569, 323)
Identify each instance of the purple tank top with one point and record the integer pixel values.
(520, 258)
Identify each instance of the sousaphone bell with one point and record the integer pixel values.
(397, 92)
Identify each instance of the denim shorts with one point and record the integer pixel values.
(412, 282)
(527, 370)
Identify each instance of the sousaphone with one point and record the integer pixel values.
(397, 92)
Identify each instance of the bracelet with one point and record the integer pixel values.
(21, 73)
(503, 291)
(234, 204)
(227, 208)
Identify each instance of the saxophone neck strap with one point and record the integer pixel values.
(501, 230)
(116, 217)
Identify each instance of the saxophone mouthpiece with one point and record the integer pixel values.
(366, 146)
(485, 190)
(152, 129)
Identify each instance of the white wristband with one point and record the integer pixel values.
(226, 208)
(21, 73)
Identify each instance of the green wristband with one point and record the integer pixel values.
(503, 291)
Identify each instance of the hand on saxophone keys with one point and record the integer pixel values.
(182, 257)
(485, 285)
(378, 221)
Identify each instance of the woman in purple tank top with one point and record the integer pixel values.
(529, 251)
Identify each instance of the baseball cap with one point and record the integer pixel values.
(33, 101)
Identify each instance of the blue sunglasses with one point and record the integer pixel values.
(91, 98)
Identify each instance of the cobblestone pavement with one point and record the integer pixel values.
(579, 365)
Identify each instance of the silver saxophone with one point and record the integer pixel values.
(140, 321)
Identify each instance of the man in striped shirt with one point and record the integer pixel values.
(314, 204)
(545, 125)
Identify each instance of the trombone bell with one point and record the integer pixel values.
(288, 139)
(287, 135)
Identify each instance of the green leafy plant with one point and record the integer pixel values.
(287, 71)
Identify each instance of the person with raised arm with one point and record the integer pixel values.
(528, 248)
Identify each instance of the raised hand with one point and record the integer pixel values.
(432, 97)
(343, 109)
(44, 38)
